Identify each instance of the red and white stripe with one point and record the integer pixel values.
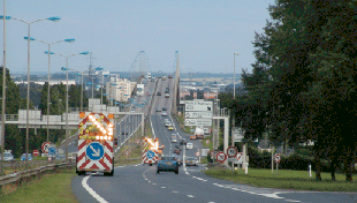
(103, 164)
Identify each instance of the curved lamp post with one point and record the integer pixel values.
(49, 53)
(66, 69)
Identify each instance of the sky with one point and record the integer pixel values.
(205, 32)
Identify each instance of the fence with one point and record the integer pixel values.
(19, 177)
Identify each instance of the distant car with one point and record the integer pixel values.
(7, 156)
(167, 95)
(124, 133)
(23, 157)
(164, 113)
(191, 161)
(170, 128)
(158, 94)
(177, 150)
(183, 142)
(193, 137)
(158, 110)
(168, 163)
(173, 138)
(189, 145)
(170, 76)
(164, 109)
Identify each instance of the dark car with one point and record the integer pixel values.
(177, 150)
(183, 142)
(168, 163)
(158, 94)
(164, 109)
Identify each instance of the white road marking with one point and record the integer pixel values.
(199, 178)
(211, 202)
(190, 196)
(154, 184)
(292, 200)
(175, 191)
(91, 191)
(269, 195)
(163, 187)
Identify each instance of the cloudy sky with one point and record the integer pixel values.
(206, 33)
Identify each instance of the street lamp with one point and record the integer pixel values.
(234, 74)
(49, 53)
(102, 86)
(66, 68)
(29, 39)
(3, 102)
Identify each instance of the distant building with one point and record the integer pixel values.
(119, 89)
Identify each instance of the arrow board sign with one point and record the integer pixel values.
(150, 154)
(95, 151)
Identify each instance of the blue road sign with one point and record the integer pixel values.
(52, 151)
(150, 154)
(95, 151)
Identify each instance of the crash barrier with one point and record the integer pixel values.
(21, 176)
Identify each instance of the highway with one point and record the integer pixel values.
(141, 183)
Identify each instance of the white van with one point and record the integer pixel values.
(189, 145)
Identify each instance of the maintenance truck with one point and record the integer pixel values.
(95, 144)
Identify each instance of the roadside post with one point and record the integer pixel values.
(277, 161)
(272, 160)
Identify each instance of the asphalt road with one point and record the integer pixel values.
(140, 183)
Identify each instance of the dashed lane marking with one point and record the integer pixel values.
(190, 196)
(163, 187)
(175, 191)
(91, 191)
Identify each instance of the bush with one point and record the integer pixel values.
(295, 161)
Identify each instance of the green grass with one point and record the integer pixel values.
(50, 188)
(134, 149)
(288, 179)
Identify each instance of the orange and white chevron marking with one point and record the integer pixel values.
(146, 160)
(103, 164)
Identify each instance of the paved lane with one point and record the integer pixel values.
(142, 184)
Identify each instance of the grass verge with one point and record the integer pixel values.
(287, 179)
(50, 188)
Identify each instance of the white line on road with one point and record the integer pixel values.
(175, 191)
(190, 196)
(198, 178)
(91, 191)
(211, 202)
(163, 187)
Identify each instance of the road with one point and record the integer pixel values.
(140, 183)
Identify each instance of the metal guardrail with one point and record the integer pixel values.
(20, 176)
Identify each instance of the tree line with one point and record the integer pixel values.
(16, 99)
(303, 84)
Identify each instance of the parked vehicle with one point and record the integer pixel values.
(7, 156)
(168, 163)
(193, 137)
(167, 95)
(189, 145)
(158, 94)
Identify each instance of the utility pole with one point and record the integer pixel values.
(3, 102)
